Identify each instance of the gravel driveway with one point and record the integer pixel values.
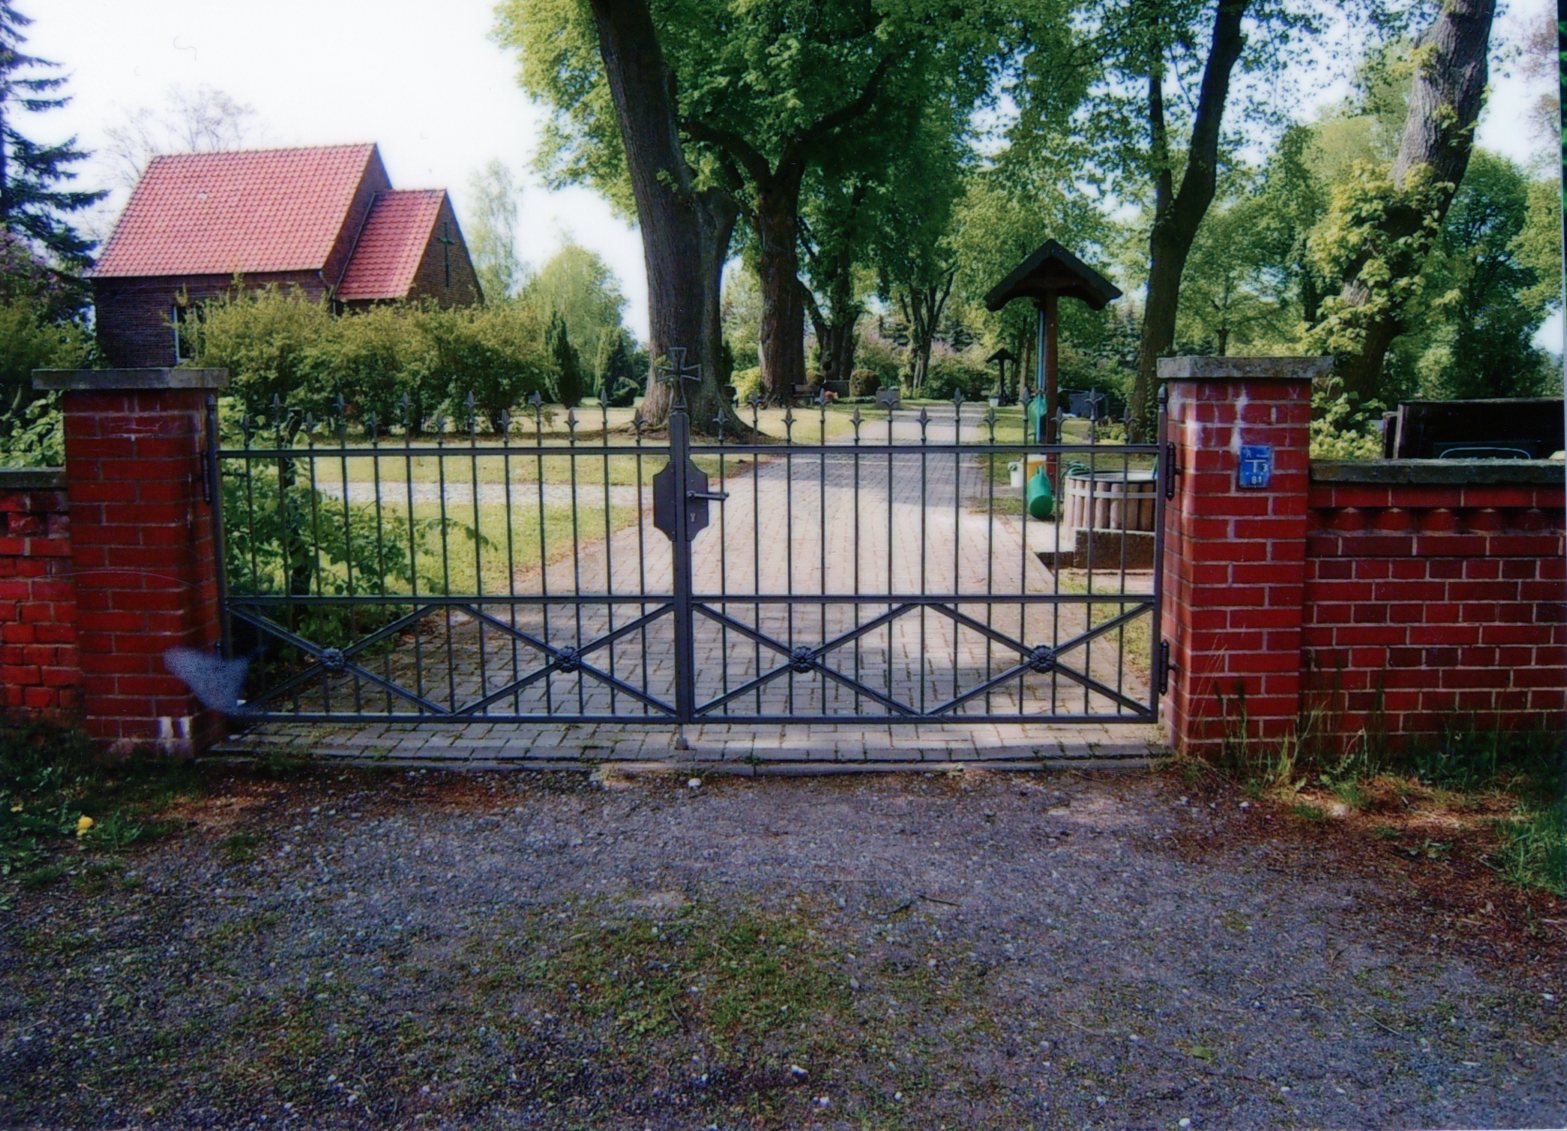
(953, 950)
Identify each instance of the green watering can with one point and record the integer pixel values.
(1041, 499)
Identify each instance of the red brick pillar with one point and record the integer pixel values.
(141, 548)
(1234, 565)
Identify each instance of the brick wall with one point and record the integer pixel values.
(133, 316)
(1436, 592)
(1401, 598)
(39, 668)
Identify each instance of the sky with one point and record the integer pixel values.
(421, 78)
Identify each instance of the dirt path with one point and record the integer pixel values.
(954, 950)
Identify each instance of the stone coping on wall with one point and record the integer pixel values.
(32, 479)
(1442, 472)
(1243, 368)
(113, 380)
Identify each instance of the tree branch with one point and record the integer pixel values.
(806, 140)
(734, 145)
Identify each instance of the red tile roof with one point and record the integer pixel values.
(391, 245)
(228, 213)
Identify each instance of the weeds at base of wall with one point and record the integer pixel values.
(69, 811)
(1509, 784)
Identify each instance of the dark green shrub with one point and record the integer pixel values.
(29, 426)
(950, 372)
(493, 354)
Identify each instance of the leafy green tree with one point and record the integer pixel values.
(579, 286)
(1158, 82)
(1232, 296)
(748, 98)
(34, 204)
(492, 232)
(1483, 298)
(616, 126)
(1004, 214)
(567, 364)
(1384, 223)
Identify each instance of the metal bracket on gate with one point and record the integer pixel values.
(1170, 470)
(697, 498)
(1166, 666)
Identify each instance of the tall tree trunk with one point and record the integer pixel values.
(1177, 215)
(836, 327)
(782, 336)
(1444, 105)
(922, 307)
(685, 233)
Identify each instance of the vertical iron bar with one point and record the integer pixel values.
(348, 539)
(413, 544)
(680, 557)
(446, 561)
(250, 514)
(511, 554)
(789, 539)
(756, 550)
(576, 549)
(478, 549)
(373, 426)
(957, 534)
(821, 510)
(609, 534)
(859, 700)
(723, 559)
(924, 539)
(637, 427)
(889, 552)
(219, 542)
(315, 543)
(544, 571)
(990, 542)
(1162, 491)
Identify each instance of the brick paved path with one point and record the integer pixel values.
(851, 526)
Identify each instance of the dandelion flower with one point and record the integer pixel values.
(82, 825)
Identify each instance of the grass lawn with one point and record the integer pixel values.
(477, 550)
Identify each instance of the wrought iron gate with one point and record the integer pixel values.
(871, 564)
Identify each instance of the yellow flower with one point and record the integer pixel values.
(82, 825)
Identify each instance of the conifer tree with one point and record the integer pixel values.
(568, 366)
(34, 199)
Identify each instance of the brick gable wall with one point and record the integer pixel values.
(430, 279)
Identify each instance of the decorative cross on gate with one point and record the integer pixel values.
(677, 373)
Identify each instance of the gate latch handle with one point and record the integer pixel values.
(715, 496)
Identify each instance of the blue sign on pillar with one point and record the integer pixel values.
(1256, 465)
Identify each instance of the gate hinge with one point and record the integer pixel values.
(1170, 470)
(1166, 666)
